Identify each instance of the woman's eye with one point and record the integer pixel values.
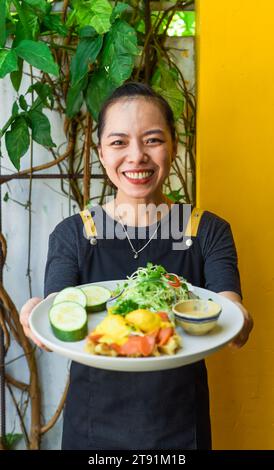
(153, 140)
(117, 142)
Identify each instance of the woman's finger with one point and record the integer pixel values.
(29, 305)
(24, 319)
(243, 336)
(36, 341)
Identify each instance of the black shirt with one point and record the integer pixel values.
(70, 255)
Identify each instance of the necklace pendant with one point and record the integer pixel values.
(136, 255)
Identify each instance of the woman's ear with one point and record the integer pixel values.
(174, 149)
(100, 154)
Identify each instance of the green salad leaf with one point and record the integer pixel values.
(149, 288)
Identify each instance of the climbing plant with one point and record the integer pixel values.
(75, 53)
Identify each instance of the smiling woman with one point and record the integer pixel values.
(167, 409)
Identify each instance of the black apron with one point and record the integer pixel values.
(113, 410)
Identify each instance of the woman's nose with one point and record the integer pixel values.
(137, 152)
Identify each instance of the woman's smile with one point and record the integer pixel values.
(139, 176)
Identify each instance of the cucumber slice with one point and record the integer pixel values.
(97, 297)
(69, 321)
(71, 294)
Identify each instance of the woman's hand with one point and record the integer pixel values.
(243, 336)
(24, 320)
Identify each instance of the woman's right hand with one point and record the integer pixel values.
(24, 320)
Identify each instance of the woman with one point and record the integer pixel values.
(139, 410)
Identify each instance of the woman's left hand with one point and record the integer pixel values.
(243, 336)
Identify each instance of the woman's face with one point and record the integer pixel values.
(136, 147)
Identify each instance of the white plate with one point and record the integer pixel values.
(194, 347)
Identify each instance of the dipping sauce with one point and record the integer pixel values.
(197, 316)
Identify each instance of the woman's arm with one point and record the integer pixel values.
(221, 267)
(242, 337)
(62, 268)
(61, 271)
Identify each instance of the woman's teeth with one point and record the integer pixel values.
(139, 175)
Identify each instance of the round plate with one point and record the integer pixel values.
(193, 349)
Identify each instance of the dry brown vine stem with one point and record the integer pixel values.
(10, 319)
(4, 247)
(64, 9)
(58, 411)
(44, 166)
(34, 389)
(5, 330)
(17, 383)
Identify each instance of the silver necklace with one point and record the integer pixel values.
(136, 252)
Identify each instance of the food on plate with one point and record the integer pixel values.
(97, 297)
(72, 294)
(140, 320)
(68, 321)
(140, 333)
(152, 288)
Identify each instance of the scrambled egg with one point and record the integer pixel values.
(145, 320)
(114, 330)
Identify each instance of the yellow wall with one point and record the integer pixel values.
(235, 76)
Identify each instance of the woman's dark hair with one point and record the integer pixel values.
(132, 90)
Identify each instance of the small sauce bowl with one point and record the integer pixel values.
(197, 317)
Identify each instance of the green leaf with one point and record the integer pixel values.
(17, 140)
(118, 11)
(28, 25)
(23, 103)
(189, 19)
(6, 197)
(2, 22)
(44, 93)
(15, 109)
(75, 98)
(120, 49)
(37, 54)
(54, 23)
(175, 196)
(99, 89)
(164, 82)
(12, 439)
(16, 76)
(87, 32)
(95, 13)
(101, 15)
(86, 53)
(39, 6)
(8, 62)
(40, 127)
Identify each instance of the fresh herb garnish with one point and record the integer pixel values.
(150, 288)
(124, 307)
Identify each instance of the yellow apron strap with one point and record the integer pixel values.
(193, 223)
(88, 223)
